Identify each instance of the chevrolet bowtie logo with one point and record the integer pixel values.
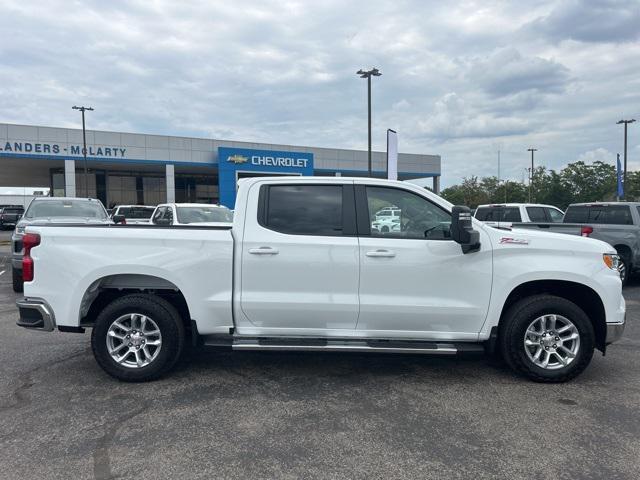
(237, 159)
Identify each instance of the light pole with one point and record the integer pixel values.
(531, 178)
(84, 148)
(624, 173)
(374, 72)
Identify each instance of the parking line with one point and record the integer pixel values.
(2, 272)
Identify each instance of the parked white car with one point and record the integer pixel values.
(388, 213)
(300, 268)
(134, 214)
(202, 214)
(505, 214)
(386, 224)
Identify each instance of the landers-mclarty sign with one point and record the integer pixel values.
(57, 149)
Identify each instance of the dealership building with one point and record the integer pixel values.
(133, 168)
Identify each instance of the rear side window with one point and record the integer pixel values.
(607, 214)
(498, 214)
(536, 214)
(484, 214)
(304, 209)
(511, 214)
(618, 215)
(578, 214)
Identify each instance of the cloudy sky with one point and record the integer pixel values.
(460, 79)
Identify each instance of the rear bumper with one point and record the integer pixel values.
(35, 314)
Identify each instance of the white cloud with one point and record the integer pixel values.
(457, 77)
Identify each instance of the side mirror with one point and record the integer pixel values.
(462, 230)
(119, 219)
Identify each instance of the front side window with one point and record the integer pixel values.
(536, 214)
(417, 217)
(304, 209)
(556, 216)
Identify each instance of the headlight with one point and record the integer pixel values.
(611, 260)
(20, 229)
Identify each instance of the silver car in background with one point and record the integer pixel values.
(52, 210)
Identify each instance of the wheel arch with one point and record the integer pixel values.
(583, 296)
(106, 289)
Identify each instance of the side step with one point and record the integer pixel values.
(344, 345)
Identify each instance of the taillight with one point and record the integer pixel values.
(586, 231)
(29, 241)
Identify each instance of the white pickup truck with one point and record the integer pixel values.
(301, 268)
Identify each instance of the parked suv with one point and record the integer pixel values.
(505, 214)
(9, 216)
(52, 210)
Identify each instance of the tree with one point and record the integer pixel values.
(577, 182)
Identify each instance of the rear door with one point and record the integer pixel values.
(300, 267)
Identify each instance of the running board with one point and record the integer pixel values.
(330, 345)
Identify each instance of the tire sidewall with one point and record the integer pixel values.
(521, 317)
(16, 277)
(161, 313)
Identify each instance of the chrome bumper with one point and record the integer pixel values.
(35, 314)
(614, 332)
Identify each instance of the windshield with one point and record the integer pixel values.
(66, 208)
(204, 214)
(143, 213)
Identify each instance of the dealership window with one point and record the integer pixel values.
(412, 216)
(57, 184)
(304, 209)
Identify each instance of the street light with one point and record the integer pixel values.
(531, 179)
(624, 174)
(374, 72)
(84, 147)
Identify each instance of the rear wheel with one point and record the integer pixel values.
(137, 338)
(547, 338)
(18, 285)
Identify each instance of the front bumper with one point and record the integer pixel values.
(614, 332)
(35, 314)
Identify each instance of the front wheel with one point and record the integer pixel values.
(547, 338)
(623, 268)
(137, 338)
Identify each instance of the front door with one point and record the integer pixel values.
(300, 261)
(414, 279)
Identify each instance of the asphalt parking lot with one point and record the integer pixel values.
(273, 415)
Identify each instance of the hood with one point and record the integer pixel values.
(537, 239)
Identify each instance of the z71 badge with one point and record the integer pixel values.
(514, 241)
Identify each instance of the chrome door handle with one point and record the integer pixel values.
(264, 251)
(381, 253)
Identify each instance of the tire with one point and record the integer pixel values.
(537, 313)
(385, 229)
(624, 268)
(128, 312)
(18, 284)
